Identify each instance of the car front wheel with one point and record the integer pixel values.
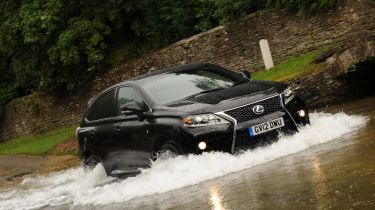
(168, 150)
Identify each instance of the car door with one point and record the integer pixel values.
(99, 125)
(131, 147)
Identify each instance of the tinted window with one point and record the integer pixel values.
(169, 87)
(126, 95)
(104, 107)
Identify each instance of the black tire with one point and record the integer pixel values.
(168, 150)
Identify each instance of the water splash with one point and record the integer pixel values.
(76, 187)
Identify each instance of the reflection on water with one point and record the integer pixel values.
(321, 182)
(216, 198)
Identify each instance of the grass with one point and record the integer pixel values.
(290, 68)
(36, 144)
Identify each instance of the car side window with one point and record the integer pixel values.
(104, 107)
(126, 95)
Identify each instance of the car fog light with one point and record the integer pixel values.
(202, 145)
(301, 113)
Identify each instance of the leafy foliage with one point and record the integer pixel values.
(7, 92)
(58, 45)
(171, 20)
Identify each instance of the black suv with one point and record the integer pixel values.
(186, 109)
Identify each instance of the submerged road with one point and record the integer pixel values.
(330, 165)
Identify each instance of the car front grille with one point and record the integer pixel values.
(245, 113)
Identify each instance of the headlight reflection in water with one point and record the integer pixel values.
(216, 198)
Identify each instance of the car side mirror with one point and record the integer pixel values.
(245, 74)
(131, 108)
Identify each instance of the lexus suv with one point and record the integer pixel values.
(186, 109)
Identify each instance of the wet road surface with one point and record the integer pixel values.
(328, 166)
(14, 168)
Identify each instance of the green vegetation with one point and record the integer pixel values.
(36, 144)
(55, 46)
(290, 68)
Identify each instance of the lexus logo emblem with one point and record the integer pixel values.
(258, 109)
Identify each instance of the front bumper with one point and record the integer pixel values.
(234, 137)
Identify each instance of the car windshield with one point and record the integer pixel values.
(174, 86)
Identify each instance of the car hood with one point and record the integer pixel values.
(227, 98)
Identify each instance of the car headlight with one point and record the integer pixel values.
(203, 120)
(288, 95)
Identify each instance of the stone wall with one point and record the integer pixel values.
(236, 48)
(37, 113)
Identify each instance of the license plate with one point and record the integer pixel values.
(266, 126)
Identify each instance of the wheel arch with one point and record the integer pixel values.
(163, 140)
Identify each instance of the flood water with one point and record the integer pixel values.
(328, 165)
